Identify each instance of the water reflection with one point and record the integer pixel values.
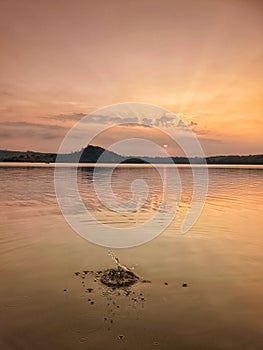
(122, 179)
(220, 260)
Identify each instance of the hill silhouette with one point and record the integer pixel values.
(92, 154)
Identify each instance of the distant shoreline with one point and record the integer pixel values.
(128, 165)
(91, 155)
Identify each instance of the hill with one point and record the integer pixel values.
(91, 154)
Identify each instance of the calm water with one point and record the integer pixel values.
(220, 259)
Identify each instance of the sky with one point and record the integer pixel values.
(201, 60)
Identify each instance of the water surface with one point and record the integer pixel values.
(220, 259)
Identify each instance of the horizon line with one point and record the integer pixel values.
(137, 156)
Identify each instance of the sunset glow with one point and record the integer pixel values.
(201, 60)
(131, 163)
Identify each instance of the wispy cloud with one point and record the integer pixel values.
(65, 117)
(9, 130)
(166, 120)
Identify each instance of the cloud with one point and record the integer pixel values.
(97, 119)
(195, 128)
(167, 120)
(10, 130)
(93, 118)
(5, 93)
(66, 117)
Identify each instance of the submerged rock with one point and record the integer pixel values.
(118, 277)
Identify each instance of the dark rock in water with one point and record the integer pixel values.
(65, 290)
(166, 283)
(184, 285)
(121, 336)
(118, 277)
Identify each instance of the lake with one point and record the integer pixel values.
(206, 289)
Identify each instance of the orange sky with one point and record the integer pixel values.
(201, 59)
